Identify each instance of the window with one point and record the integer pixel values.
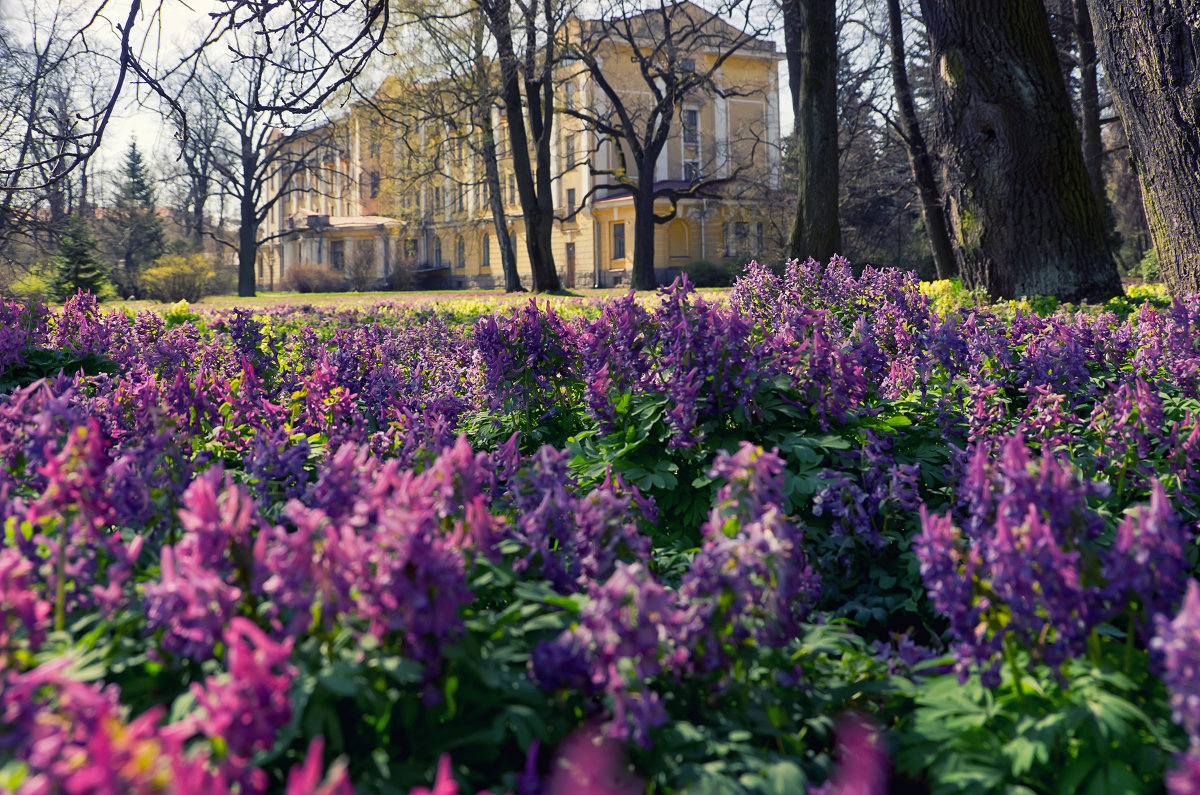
(618, 240)
(460, 198)
(687, 65)
(512, 189)
(437, 252)
(570, 200)
(437, 198)
(737, 237)
(691, 126)
(691, 171)
(373, 144)
(570, 151)
(487, 254)
(569, 96)
(410, 249)
(460, 247)
(759, 239)
(337, 254)
(374, 184)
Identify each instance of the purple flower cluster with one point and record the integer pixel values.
(74, 737)
(626, 634)
(1028, 567)
(574, 540)
(750, 582)
(196, 595)
(244, 709)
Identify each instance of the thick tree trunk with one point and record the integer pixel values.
(491, 168)
(1150, 50)
(642, 276)
(1017, 195)
(247, 250)
(932, 212)
(815, 230)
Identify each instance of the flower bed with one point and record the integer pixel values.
(682, 545)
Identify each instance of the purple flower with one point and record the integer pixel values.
(626, 634)
(1179, 641)
(1148, 559)
(245, 708)
(751, 579)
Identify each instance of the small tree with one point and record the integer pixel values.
(77, 266)
(134, 230)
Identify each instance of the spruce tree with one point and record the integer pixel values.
(133, 229)
(77, 265)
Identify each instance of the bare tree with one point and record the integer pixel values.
(932, 212)
(677, 51)
(47, 80)
(451, 85)
(528, 55)
(254, 163)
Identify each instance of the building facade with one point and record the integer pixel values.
(409, 206)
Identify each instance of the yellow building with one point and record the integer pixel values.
(374, 208)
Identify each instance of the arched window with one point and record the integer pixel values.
(677, 239)
(460, 252)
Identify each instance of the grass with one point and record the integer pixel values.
(266, 300)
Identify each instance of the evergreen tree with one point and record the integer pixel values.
(134, 230)
(77, 265)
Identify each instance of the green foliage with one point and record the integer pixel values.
(703, 273)
(38, 363)
(133, 230)
(77, 267)
(1148, 268)
(313, 279)
(178, 277)
(1084, 728)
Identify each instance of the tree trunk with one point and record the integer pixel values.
(1018, 199)
(1089, 107)
(247, 250)
(642, 275)
(932, 211)
(535, 209)
(491, 169)
(1150, 50)
(815, 230)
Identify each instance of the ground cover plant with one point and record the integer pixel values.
(815, 535)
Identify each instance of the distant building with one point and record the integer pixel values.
(359, 207)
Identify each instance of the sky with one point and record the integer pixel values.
(178, 21)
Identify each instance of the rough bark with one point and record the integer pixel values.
(1150, 50)
(813, 65)
(932, 212)
(1017, 195)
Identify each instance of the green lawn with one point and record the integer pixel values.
(266, 300)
